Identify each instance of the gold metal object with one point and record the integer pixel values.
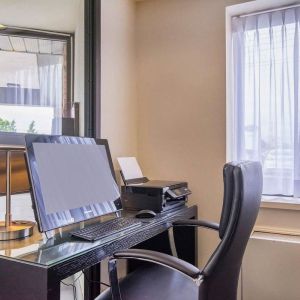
(19, 175)
(17, 230)
(9, 229)
(35, 239)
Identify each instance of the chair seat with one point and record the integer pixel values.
(155, 282)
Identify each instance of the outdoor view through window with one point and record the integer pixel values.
(266, 74)
(32, 88)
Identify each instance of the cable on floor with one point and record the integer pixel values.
(91, 281)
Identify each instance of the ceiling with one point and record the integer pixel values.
(52, 15)
(31, 45)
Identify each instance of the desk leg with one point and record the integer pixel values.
(91, 282)
(186, 245)
(186, 242)
(20, 281)
(52, 292)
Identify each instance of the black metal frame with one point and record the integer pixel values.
(52, 221)
(182, 267)
(157, 258)
(92, 36)
(45, 34)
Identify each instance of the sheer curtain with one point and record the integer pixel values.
(50, 69)
(265, 56)
(39, 84)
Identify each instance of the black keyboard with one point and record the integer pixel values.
(108, 230)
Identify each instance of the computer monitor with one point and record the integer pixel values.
(72, 179)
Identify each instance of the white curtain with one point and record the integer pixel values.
(265, 56)
(43, 82)
(51, 91)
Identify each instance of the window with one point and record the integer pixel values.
(34, 81)
(266, 96)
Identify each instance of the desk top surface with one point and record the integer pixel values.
(48, 252)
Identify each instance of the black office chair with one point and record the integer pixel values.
(170, 278)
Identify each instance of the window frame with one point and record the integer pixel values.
(68, 102)
(274, 202)
(92, 68)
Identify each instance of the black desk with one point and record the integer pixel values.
(32, 268)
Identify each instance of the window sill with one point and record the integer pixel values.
(280, 202)
(276, 236)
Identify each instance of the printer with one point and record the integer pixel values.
(141, 193)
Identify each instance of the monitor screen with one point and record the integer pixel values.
(72, 179)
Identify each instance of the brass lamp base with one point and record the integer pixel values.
(17, 230)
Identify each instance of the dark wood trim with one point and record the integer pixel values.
(97, 64)
(92, 286)
(98, 254)
(92, 68)
(36, 33)
(59, 36)
(88, 70)
(26, 281)
(70, 77)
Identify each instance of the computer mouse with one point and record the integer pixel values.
(145, 214)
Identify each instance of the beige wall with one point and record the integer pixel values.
(271, 267)
(118, 85)
(182, 98)
(175, 120)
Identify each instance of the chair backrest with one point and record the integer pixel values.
(242, 194)
(227, 198)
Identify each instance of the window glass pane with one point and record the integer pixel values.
(32, 86)
(268, 78)
(266, 73)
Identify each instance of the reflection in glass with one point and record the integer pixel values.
(32, 84)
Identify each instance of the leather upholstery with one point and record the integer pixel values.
(227, 198)
(155, 283)
(223, 268)
(160, 258)
(242, 194)
(227, 204)
(198, 223)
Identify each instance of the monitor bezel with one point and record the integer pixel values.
(47, 222)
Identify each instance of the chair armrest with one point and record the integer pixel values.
(197, 223)
(161, 259)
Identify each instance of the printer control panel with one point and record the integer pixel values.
(179, 192)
